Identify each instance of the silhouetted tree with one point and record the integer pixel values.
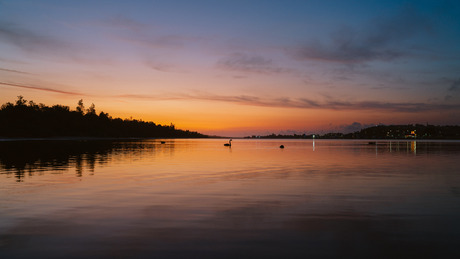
(32, 120)
(91, 109)
(80, 108)
(21, 101)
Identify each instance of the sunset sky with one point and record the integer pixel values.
(238, 68)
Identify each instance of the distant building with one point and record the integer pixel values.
(411, 135)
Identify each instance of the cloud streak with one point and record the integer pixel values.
(280, 102)
(50, 46)
(381, 40)
(303, 103)
(42, 89)
(124, 22)
(242, 62)
(455, 86)
(28, 40)
(14, 71)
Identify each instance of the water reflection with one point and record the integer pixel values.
(410, 146)
(414, 147)
(197, 198)
(22, 158)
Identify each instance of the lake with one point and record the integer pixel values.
(195, 198)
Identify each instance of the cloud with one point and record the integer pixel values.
(160, 49)
(242, 62)
(303, 103)
(28, 40)
(42, 89)
(13, 71)
(153, 38)
(41, 44)
(123, 22)
(455, 86)
(381, 40)
(165, 67)
(172, 42)
(326, 103)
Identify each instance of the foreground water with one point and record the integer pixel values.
(199, 199)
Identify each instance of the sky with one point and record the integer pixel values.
(238, 68)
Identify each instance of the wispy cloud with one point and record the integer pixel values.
(149, 36)
(42, 89)
(156, 41)
(455, 86)
(14, 71)
(242, 62)
(303, 103)
(160, 49)
(54, 47)
(29, 40)
(327, 103)
(381, 40)
(158, 66)
(121, 21)
(163, 66)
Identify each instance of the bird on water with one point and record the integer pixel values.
(229, 144)
(282, 146)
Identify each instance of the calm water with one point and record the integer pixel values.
(199, 199)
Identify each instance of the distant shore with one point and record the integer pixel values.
(380, 132)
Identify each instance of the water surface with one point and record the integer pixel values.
(199, 199)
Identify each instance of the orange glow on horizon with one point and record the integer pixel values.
(223, 118)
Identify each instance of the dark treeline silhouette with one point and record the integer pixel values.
(417, 131)
(28, 119)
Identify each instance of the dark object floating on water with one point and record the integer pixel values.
(163, 142)
(372, 143)
(229, 144)
(282, 146)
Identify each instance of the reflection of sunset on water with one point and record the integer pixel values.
(204, 162)
(134, 194)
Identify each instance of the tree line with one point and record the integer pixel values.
(27, 119)
(410, 131)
